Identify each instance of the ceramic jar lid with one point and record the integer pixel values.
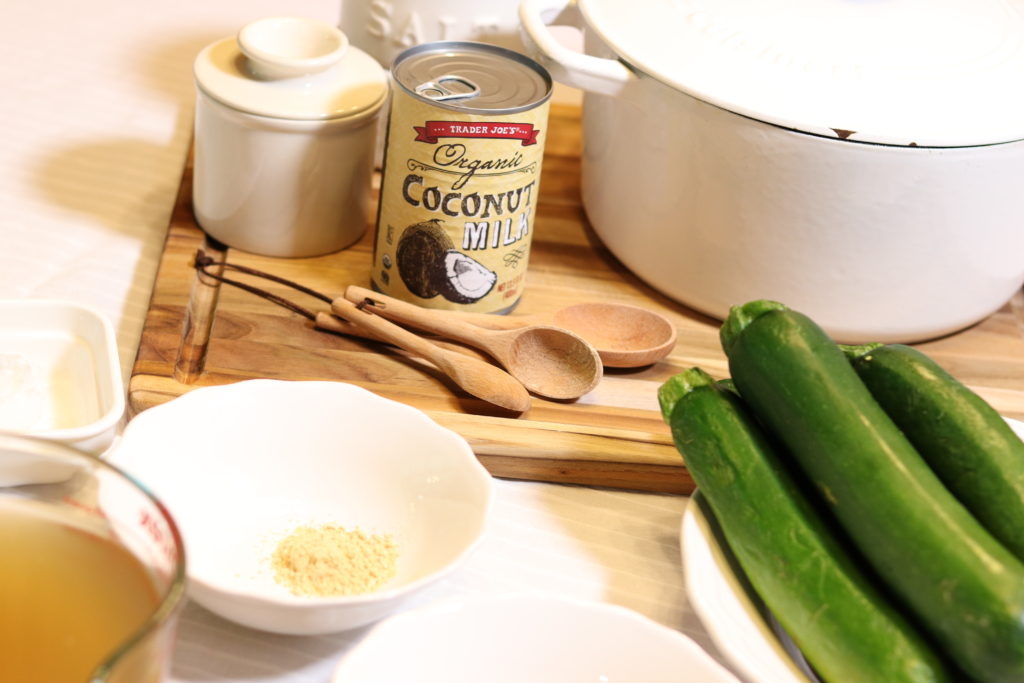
(903, 72)
(292, 68)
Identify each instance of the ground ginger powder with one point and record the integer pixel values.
(331, 560)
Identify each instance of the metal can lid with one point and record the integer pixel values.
(472, 77)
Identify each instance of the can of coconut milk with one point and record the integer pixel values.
(461, 175)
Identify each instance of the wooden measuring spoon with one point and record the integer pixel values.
(332, 323)
(479, 378)
(625, 336)
(549, 361)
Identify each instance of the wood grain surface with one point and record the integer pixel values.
(200, 334)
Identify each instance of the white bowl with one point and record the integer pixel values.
(241, 465)
(60, 376)
(528, 638)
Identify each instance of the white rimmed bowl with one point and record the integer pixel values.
(60, 377)
(241, 465)
(727, 606)
(518, 638)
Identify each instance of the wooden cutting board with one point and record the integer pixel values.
(197, 334)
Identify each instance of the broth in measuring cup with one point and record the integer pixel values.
(92, 570)
(68, 598)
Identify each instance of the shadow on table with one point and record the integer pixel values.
(635, 538)
(209, 648)
(128, 185)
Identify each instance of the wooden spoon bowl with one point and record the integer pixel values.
(550, 362)
(625, 336)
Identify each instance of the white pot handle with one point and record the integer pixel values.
(592, 74)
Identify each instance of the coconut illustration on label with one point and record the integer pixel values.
(469, 280)
(420, 257)
(429, 265)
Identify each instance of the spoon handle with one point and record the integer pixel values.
(492, 321)
(332, 323)
(476, 377)
(385, 330)
(428, 319)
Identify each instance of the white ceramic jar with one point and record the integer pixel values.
(285, 130)
(384, 28)
(859, 161)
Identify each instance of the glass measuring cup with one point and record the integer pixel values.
(94, 569)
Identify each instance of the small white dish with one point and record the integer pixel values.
(534, 638)
(239, 466)
(60, 376)
(737, 621)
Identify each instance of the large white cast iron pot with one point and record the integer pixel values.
(862, 162)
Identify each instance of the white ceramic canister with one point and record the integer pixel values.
(285, 132)
(859, 161)
(385, 28)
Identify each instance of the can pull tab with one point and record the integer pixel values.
(439, 92)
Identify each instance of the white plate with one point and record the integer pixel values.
(735, 618)
(526, 639)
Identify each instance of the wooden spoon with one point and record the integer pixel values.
(625, 336)
(477, 377)
(332, 323)
(549, 361)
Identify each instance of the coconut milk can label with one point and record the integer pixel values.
(458, 200)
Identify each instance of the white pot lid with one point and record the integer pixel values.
(937, 73)
(291, 68)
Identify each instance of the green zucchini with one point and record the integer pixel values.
(803, 574)
(963, 586)
(972, 449)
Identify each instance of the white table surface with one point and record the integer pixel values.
(94, 129)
